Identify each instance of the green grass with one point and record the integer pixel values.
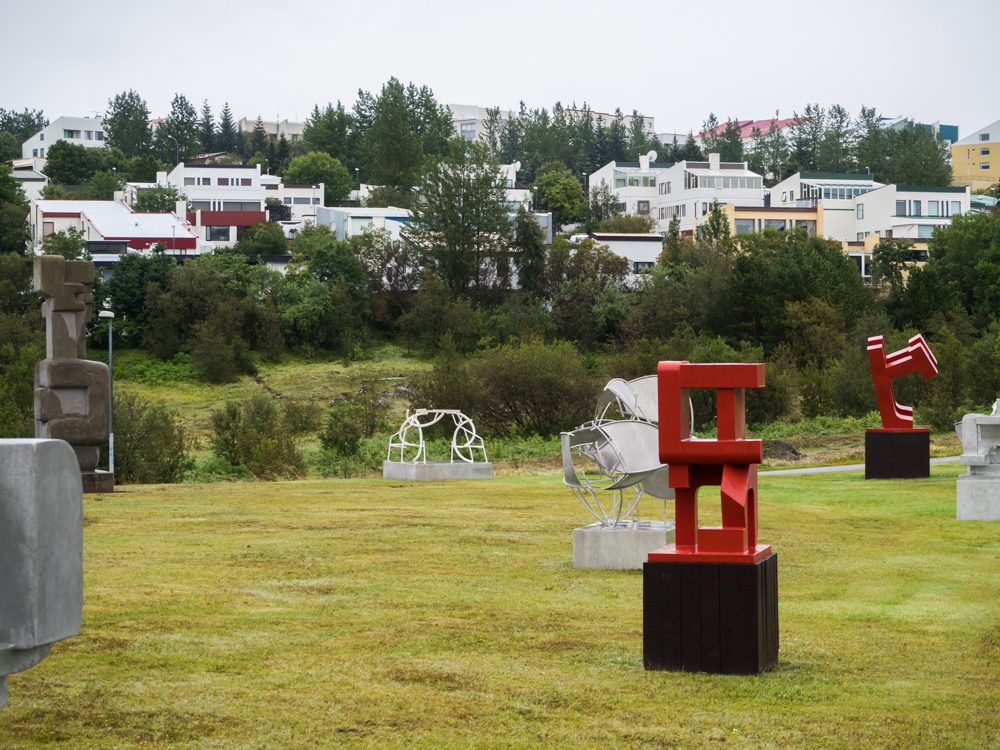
(371, 613)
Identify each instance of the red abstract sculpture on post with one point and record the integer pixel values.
(729, 462)
(917, 357)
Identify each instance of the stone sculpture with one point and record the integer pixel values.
(978, 490)
(898, 450)
(407, 457)
(41, 551)
(710, 601)
(72, 393)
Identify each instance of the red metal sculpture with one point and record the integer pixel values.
(729, 462)
(917, 357)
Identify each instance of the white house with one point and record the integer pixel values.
(634, 183)
(31, 173)
(274, 128)
(353, 221)
(80, 131)
(835, 192)
(905, 211)
(217, 187)
(641, 250)
(301, 199)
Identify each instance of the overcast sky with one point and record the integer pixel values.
(672, 60)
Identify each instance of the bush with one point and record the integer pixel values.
(343, 431)
(155, 370)
(149, 442)
(255, 434)
(367, 379)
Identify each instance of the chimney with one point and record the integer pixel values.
(161, 178)
(180, 208)
(644, 162)
(713, 161)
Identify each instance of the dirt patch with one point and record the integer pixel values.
(781, 450)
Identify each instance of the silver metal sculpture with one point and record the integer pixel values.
(465, 441)
(619, 456)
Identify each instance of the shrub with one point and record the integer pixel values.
(149, 442)
(255, 434)
(155, 370)
(367, 380)
(343, 431)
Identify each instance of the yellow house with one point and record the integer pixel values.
(975, 160)
(744, 219)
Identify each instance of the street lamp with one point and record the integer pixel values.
(357, 176)
(534, 198)
(586, 186)
(177, 150)
(110, 316)
(314, 205)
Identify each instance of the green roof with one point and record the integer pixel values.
(834, 176)
(928, 189)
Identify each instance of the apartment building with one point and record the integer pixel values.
(835, 192)
(275, 128)
(907, 211)
(301, 199)
(975, 160)
(80, 131)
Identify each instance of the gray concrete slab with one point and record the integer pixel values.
(434, 471)
(978, 497)
(846, 467)
(620, 548)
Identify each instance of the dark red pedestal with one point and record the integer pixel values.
(720, 618)
(897, 454)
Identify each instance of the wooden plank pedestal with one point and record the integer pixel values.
(897, 454)
(720, 618)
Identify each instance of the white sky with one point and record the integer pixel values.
(676, 61)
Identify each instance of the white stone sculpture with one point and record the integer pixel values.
(407, 457)
(978, 490)
(41, 551)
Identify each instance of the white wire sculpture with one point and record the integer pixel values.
(465, 441)
(618, 456)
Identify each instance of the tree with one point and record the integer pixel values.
(181, 125)
(630, 224)
(561, 193)
(603, 203)
(10, 146)
(161, 199)
(529, 240)
(327, 130)
(126, 124)
(70, 244)
(14, 231)
(259, 138)
(71, 164)
(206, 129)
(227, 138)
(103, 185)
(918, 156)
(462, 222)
(836, 148)
(731, 143)
(22, 125)
(690, 151)
(316, 167)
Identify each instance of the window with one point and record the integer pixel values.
(808, 224)
(41, 136)
(642, 207)
(217, 234)
(201, 206)
(984, 136)
(784, 197)
(984, 152)
(41, 152)
(205, 181)
(98, 135)
(642, 266)
(916, 208)
(826, 193)
(34, 152)
(246, 182)
(188, 181)
(668, 188)
(932, 208)
(645, 182)
(984, 165)
(900, 208)
(88, 135)
(288, 201)
(956, 207)
(744, 226)
(74, 134)
(861, 236)
(620, 182)
(222, 180)
(48, 227)
(468, 130)
(270, 187)
(861, 210)
(301, 201)
(842, 196)
(704, 208)
(778, 224)
(633, 182)
(316, 201)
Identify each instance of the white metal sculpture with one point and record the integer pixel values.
(618, 456)
(465, 441)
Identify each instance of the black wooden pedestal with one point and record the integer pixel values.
(720, 618)
(897, 454)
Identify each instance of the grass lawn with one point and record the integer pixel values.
(371, 613)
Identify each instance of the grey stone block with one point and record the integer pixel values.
(41, 550)
(978, 497)
(619, 548)
(433, 471)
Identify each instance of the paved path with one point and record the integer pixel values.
(848, 467)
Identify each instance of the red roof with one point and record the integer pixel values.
(747, 126)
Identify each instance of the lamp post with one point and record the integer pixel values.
(110, 316)
(534, 197)
(314, 206)
(357, 176)
(177, 150)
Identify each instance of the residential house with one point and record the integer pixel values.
(469, 120)
(301, 199)
(947, 132)
(641, 250)
(835, 192)
(353, 221)
(275, 128)
(907, 211)
(975, 160)
(746, 128)
(31, 174)
(80, 131)
(634, 183)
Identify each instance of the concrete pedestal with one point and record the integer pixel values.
(978, 497)
(720, 618)
(434, 471)
(97, 481)
(624, 547)
(897, 454)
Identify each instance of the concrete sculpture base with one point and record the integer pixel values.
(623, 547)
(720, 618)
(978, 497)
(434, 471)
(897, 454)
(97, 481)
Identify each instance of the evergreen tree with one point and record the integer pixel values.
(529, 239)
(182, 125)
(126, 124)
(207, 132)
(731, 144)
(282, 155)
(227, 139)
(259, 139)
(329, 130)
(690, 151)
